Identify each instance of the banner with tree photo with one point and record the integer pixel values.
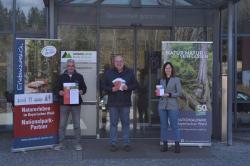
(193, 64)
(36, 115)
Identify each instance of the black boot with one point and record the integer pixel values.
(177, 148)
(164, 147)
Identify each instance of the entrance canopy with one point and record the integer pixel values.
(141, 3)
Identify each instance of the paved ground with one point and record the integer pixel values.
(145, 152)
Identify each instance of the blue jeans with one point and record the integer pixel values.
(172, 115)
(64, 115)
(115, 114)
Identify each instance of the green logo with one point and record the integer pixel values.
(66, 55)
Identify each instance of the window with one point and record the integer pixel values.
(193, 34)
(77, 38)
(6, 75)
(31, 17)
(5, 15)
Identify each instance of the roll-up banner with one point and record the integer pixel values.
(35, 113)
(193, 64)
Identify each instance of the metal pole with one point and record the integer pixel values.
(98, 31)
(172, 34)
(51, 19)
(235, 64)
(135, 71)
(230, 65)
(14, 41)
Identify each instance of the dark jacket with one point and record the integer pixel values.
(119, 98)
(75, 78)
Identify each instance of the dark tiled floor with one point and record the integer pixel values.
(99, 149)
(144, 152)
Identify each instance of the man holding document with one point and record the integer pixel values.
(71, 86)
(119, 82)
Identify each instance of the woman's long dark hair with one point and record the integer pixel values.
(163, 69)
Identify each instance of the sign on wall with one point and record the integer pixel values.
(193, 64)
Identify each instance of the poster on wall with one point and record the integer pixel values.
(36, 115)
(193, 64)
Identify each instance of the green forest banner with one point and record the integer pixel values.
(37, 64)
(193, 64)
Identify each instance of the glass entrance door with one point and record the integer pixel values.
(142, 51)
(149, 73)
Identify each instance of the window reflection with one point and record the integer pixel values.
(193, 34)
(157, 2)
(116, 41)
(242, 98)
(200, 3)
(77, 37)
(243, 83)
(5, 15)
(150, 2)
(182, 3)
(31, 16)
(244, 16)
(6, 73)
(84, 1)
(115, 2)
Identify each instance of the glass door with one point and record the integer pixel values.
(149, 73)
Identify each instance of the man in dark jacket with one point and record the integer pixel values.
(70, 76)
(119, 83)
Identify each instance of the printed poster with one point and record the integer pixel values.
(193, 64)
(71, 93)
(37, 64)
(36, 115)
(35, 126)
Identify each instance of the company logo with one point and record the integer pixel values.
(79, 56)
(20, 65)
(48, 51)
(67, 55)
(201, 109)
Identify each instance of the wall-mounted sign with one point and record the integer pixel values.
(79, 56)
